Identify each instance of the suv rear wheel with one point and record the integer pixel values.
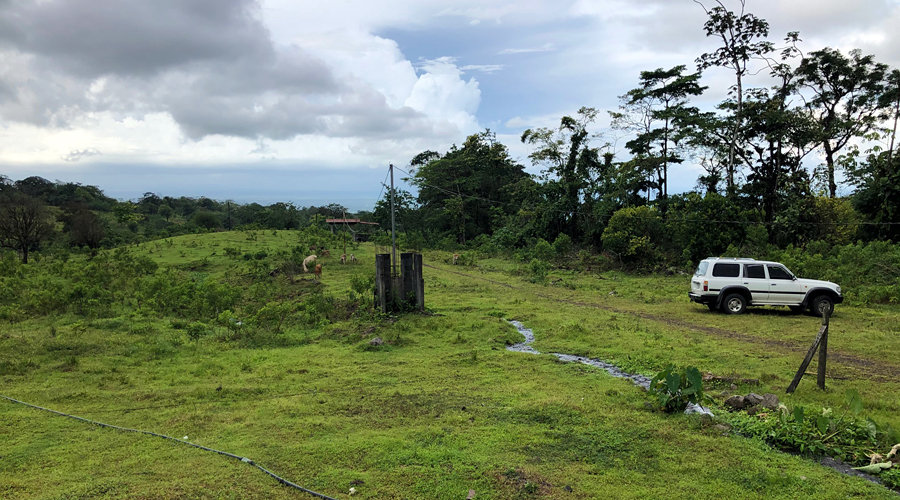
(734, 304)
(822, 305)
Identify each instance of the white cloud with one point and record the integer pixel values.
(484, 68)
(441, 94)
(547, 47)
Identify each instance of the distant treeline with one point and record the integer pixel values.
(36, 213)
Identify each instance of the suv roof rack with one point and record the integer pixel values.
(730, 258)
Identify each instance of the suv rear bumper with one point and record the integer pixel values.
(703, 299)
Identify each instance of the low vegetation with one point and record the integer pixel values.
(180, 337)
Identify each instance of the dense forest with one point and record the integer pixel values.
(795, 127)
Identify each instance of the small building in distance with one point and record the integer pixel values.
(359, 234)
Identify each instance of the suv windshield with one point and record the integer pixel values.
(701, 269)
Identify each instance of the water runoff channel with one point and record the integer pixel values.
(642, 381)
(638, 379)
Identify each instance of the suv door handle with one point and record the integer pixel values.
(746, 282)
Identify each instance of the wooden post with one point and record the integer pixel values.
(413, 284)
(823, 352)
(407, 289)
(383, 285)
(821, 339)
(419, 282)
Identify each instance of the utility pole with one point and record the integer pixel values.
(344, 220)
(393, 233)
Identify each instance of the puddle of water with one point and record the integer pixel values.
(638, 379)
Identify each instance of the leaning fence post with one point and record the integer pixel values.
(823, 351)
(821, 339)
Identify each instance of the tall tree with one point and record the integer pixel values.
(465, 192)
(24, 223)
(87, 230)
(571, 164)
(743, 39)
(773, 142)
(845, 99)
(658, 112)
(891, 99)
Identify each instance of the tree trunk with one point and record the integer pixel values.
(829, 165)
(730, 188)
(894, 133)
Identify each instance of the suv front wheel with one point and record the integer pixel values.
(734, 304)
(822, 305)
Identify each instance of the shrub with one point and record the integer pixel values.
(538, 270)
(844, 436)
(562, 245)
(634, 234)
(675, 388)
(543, 250)
(196, 330)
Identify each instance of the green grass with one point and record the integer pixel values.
(439, 409)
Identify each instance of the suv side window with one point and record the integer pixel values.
(755, 271)
(779, 273)
(726, 270)
(701, 269)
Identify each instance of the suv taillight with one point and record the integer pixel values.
(706, 286)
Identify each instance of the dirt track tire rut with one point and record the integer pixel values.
(868, 368)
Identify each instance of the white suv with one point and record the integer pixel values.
(732, 285)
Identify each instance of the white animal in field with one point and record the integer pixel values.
(352, 258)
(308, 261)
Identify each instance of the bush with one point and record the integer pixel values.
(196, 330)
(634, 235)
(207, 220)
(538, 271)
(562, 245)
(844, 436)
(542, 250)
(676, 388)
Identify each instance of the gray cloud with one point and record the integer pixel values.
(211, 64)
(77, 155)
(91, 37)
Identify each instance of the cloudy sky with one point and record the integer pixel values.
(279, 100)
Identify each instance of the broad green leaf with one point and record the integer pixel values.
(673, 381)
(871, 428)
(874, 468)
(854, 401)
(694, 377)
(798, 414)
(822, 423)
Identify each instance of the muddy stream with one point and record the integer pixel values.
(637, 379)
(644, 382)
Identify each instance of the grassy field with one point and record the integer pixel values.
(441, 408)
